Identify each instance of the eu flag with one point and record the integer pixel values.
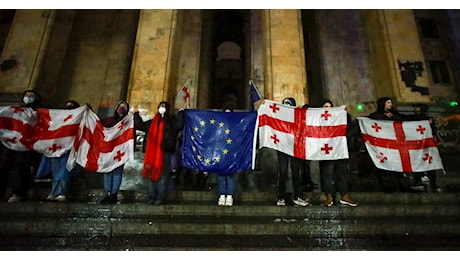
(219, 142)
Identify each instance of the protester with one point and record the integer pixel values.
(390, 181)
(420, 111)
(159, 146)
(113, 179)
(335, 175)
(24, 164)
(283, 161)
(56, 166)
(226, 184)
(307, 182)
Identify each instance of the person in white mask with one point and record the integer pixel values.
(25, 162)
(159, 146)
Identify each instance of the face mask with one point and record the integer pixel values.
(121, 110)
(162, 110)
(28, 100)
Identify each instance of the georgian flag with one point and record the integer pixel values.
(56, 130)
(406, 146)
(311, 134)
(102, 149)
(17, 125)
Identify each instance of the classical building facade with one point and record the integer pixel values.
(145, 56)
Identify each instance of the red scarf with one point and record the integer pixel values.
(153, 159)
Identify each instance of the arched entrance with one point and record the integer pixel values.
(225, 58)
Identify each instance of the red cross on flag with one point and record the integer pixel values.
(406, 146)
(102, 149)
(183, 96)
(56, 130)
(16, 127)
(312, 134)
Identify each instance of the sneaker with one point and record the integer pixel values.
(435, 188)
(418, 186)
(14, 198)
(229, 201)
(281, 202)
(346, 200)
(221, 201)
(329, 201)
(300, 202)
(61, 198)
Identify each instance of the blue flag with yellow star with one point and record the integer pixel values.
(219, 142)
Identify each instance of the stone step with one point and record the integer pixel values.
(191, 220)
(137, 226)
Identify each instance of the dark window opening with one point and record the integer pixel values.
(428, 28)
(439, 72)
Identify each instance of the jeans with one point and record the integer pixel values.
(112, 180)
(226, 184)
(158, 190)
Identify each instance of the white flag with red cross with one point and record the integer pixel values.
(183, 96)
(406, 146)
(102, 149)
(17, 125)
(56, 130)
(306, 133)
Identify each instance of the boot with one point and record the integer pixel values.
(113, 199)
(105, 200)
(329, 201)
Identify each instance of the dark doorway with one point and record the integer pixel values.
(225, 44)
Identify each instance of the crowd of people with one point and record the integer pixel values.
(160, 147)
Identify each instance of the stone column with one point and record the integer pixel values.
(285, 74)
(151, 67)
(25, 47)
(395, 39)
(189, 59)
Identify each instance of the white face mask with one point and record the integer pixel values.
(28, 100)
(161, 110)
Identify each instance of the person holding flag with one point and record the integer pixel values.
(334, 174)
(284, 160)
(113, 178)
(159, 146)
(25, 161)
(56, 166)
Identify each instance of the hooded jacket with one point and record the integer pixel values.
(382, 114)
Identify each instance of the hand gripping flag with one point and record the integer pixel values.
(219, 142)
(102, 149)
(56, 130)
(17, 125)
(312, 134)
(406, 146)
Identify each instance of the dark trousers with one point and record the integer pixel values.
(334, 176)
(283, 161)
(25, 163)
